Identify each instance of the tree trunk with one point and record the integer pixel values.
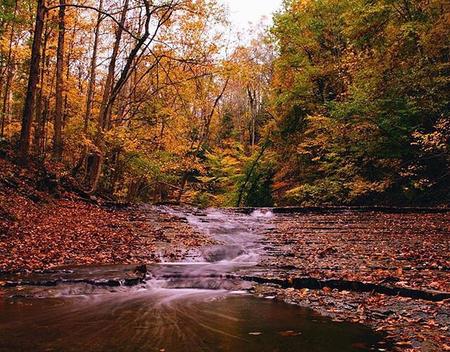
(254, 107)
(124, 76)
(39, 125)
(92, 76)
(57, 138)
(9, 69)
(27, 115)
(105, 107)
(38, 142)
(67, 64)
(6, 99)
(90, 91)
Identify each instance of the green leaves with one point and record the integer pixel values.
(366, 75)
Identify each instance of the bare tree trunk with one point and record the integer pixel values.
(92, 76)
(9, 75)
(253, 102)
(105, 110)
(5, 106)
(67, 64)
(27, 115)
(57, 138)
(90, 90)
(105, 107)
(46, 111)
(40, 121)
(124, 76)
(39, 125)
(45, 120)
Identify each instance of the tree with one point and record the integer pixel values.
(354, 80)
(57, 141)
(33, 77)
(7, 72)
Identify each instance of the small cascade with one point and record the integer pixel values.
(237, 246)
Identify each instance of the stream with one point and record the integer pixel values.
(192, 305)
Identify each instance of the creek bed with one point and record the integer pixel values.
(199, 304)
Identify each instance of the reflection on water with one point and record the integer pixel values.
(172, 320)
(187, 306)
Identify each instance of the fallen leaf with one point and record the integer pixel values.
(289, 333)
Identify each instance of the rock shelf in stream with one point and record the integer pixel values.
(355, 286)
(135, 275)
(110, 276)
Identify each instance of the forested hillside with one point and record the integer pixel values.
(336, 102)
(361, 91)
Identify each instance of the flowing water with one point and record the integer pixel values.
(194, 305)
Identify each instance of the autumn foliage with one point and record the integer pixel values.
(337, 102)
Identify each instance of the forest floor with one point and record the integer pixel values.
(40, 230)
(389, 271)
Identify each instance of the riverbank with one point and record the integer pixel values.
(44, 226)
(389, 271)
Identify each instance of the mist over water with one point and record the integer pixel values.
(191, 305)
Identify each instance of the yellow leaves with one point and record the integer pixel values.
(230, 161)
(319, 121)
(320, 131)
(436, 141)
(4, 43)
(360, 186)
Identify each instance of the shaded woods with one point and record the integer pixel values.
(336, 102)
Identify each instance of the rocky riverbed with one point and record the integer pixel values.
(387, 269)
(384, 269)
